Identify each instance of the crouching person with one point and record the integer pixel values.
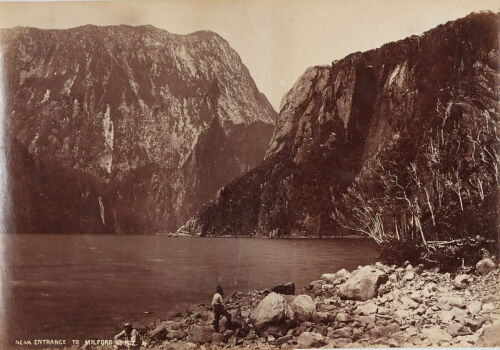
(218, 307)
(128, 339)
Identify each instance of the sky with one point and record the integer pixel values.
(276, 39)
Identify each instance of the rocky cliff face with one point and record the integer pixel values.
(336, 118)
(124, 129)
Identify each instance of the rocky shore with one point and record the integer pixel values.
(372, 306)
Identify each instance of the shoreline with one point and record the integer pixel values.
(400, 307)
(397, 307)
(353, 237)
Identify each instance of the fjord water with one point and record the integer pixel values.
(85, 286)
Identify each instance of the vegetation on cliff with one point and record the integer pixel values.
(398, 143)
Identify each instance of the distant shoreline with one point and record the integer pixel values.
(263, 237)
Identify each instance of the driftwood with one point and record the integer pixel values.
(460, 242)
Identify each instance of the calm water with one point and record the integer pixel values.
(82, 286)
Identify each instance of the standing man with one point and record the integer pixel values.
(218, 307)
(128, 339)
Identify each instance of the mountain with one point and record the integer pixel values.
(420, 114)
(122, 129)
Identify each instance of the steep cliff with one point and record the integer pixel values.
(337, 121)
(124, 129)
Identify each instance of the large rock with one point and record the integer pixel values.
(201, 335)
(272, 310)
(363, 284)
(310, 340)
(285, 288)
(461, 281)
(445, 316)
(436, 335)
(490, 338)
(474, 323)
(337, 277)
(447, 301)
(284, 339)
(159, 333)
(217, 338)
(344, 332)
(456, 329)
(408, 303)
(409, 276)
(474, 307)
(322, 317)
(316, 285)
(384, 331)
(176, 334)
(342, 317)
(485, 266)
(303, 307)
(367, 309)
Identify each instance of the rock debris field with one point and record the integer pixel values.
(372, 306)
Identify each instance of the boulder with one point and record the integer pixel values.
(176, 334)
(278, 330)
(384, 331)
(285, 288)
(273, 309)
(337, 277)
(461, 281)
(458, 314)
(445, 316)
(217, 338)
(484, 266)
(367, 320)
(401, 313)
(474, 307)
(327, 287)
(344, 332)
(245, 313)
(321, 329)
(417, 296)
(310, 340)
(316, 284)
(411, 331)
(284, 339)
(362, 284)
(342, 317)
(487, 307)
(456, 329)
(330, 301)
(489, 337)
(159, 333)
(303, 307)
(328, 277)
(429, 289)
(201, 335)
(322, 317)
(410, 275)
(474, 323)
(436, 335)
(357, 334)
(288, 298)
(408, 303)
(367, 309)
(326, 308)
(451, 300)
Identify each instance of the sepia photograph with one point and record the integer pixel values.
(249, 174)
